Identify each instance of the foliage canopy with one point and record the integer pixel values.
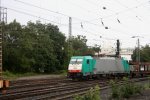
(38, 47)
(144, 54)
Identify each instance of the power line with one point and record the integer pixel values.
(25, 13)
(137, 16)
(127, 8)
(75, 17)
(59, 23)
(91, 11)
(119, 12)
(49, 20)
(121, 3)
(29, 4)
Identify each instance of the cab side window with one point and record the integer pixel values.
(88, 61)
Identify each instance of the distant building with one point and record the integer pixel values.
(124, 52)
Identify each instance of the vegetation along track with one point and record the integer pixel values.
(36, 81)
(62, 90)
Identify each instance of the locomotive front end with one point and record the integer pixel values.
(75, 67)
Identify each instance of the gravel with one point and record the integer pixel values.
(40, 77)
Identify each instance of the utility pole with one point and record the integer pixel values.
(118, 49)
(70, 27)
(69, 37)
(138, 51)
(3, 20)
(138, 48)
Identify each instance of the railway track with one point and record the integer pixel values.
(35, 81)
(48, 89)
(62, 90)
(43, 86)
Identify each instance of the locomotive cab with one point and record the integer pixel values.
(75, 67)
(80, 67)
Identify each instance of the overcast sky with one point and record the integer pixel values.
(124, 18)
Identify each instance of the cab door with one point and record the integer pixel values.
(88, 66)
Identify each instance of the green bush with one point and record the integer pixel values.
(125, 90)
(92, 94)
(115, 89)
(147, 85)
(130, 88)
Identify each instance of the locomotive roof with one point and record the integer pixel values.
(81, 57)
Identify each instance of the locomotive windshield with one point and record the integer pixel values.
(76, 61)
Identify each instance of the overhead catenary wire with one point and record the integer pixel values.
(33, 12)
(35, 16)
(127, 8)
(68, 15)
(82, 25)
(56, 22)
(79, 21)
(98, 25)
(29, 4)
(119, 13)
(122, 11)
(87, 10)
(137, 16)
(52, 21)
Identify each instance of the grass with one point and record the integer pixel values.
(92, 94)
(61, 72)
(12, 76)
(147, 85)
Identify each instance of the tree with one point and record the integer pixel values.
(58, 40)
(12, 58)
(96, 49)
(78, 45)
(33, 47)
(144, 54)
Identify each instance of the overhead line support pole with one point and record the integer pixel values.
(69, 37)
